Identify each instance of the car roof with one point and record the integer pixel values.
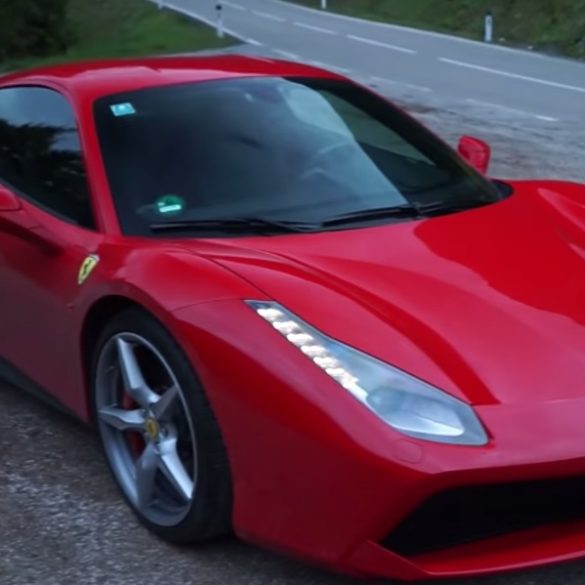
(93, 79)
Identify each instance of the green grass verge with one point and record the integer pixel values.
(126, 28)
(550, 25)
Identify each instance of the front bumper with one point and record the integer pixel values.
(319, 477)
(531, 475)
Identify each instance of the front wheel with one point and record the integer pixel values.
(158, 432)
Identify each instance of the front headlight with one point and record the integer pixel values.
(404, 402)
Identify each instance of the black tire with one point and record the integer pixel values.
(210, 514)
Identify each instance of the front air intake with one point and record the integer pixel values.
(468, 514)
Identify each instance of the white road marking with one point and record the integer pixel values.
(236, 6)
(511, 110)
(212, 23)
(513, 75)
(326, 31)
(401, 84)
(330, 67)
(381, 44)
(287, 55)
(268, 16)
(415, 31)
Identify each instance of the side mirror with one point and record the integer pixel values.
(8, 200)
(17, 220)
(475, 152)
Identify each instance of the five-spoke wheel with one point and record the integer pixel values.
(145, 398)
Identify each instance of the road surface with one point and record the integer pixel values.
(63, 522)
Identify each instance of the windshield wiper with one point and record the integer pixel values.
(409, 210)
(264, 225)
(259, 224)
(440, 207)
(397, 211)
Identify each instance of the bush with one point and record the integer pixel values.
(32, 28)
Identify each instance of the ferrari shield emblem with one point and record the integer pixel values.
(87, 268)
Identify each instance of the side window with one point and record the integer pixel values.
(40, 152)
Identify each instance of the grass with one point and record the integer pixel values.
(556, 26)
(126, 28)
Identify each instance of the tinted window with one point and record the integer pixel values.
(40, 152)
(300, 150)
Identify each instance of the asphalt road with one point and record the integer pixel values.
(62, 520)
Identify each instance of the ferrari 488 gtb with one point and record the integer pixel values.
(293, 312)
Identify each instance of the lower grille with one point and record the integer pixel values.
(468, 514)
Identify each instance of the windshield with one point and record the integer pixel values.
(309, 152)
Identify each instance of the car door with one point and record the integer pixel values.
(41, 164)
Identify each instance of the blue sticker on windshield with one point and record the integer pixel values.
(126, 109)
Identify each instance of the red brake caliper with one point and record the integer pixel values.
(135, 439)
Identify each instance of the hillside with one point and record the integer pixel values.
(556, 26)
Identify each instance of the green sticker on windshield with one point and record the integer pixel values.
(170, 205)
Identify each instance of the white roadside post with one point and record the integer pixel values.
(489, 27)
(323, 4)
(220, 29)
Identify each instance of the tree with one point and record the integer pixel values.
(32, 28)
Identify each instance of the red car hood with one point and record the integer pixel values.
(488, 304)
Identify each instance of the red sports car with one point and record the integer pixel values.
(292, 311)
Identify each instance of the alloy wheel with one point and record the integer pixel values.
(146, 428)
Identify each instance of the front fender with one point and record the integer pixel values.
(163, 280)
(160, 281)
